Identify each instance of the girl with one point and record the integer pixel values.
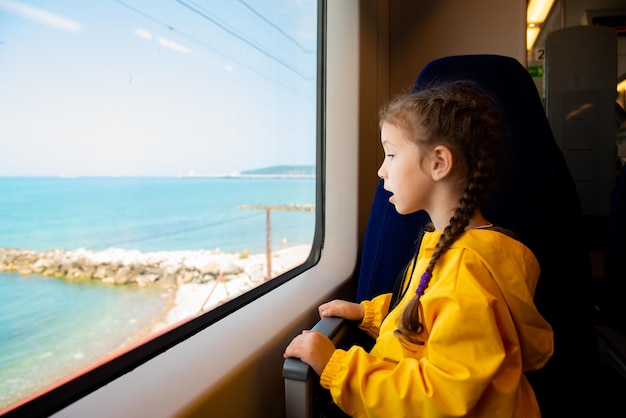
(456, 339)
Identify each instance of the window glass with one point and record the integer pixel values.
(158, 161)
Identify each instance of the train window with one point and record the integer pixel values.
(159, 169)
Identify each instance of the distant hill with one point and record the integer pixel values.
(282, 170)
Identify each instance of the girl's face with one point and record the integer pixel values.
(404, 171)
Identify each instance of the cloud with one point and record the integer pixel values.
(142, 33)
(41, 16)
(173, 45)
(147, 35)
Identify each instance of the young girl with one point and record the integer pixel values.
(457, 338)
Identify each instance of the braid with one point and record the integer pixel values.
(460, 116)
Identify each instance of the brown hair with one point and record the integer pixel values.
(463, 117)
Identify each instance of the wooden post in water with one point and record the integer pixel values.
(268, 227)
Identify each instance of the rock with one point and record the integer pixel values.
(117, 266)
(211, 268)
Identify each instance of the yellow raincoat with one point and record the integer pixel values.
(482, 331)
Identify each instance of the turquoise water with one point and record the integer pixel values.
(150, 214)
(50, 327)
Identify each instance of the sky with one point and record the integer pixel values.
(156, 87)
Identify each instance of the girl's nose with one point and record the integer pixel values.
(381, 173)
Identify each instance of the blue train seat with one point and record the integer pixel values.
(539, 202)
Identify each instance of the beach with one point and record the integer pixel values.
(192, 299)
(195, 281)
(105, 309)
(92, 267)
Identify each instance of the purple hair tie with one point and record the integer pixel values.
(424, 280)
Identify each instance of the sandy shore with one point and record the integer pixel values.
(194, 282)
(192, 299)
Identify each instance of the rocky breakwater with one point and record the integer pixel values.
(116, 266)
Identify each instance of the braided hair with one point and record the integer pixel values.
(463, 117)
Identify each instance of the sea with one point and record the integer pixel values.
(50, 327)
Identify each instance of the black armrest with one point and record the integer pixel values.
(333, 328)
(301, 382)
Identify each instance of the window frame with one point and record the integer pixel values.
(78, 385)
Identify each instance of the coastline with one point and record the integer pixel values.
(184, 301)
(165, 269)
(192, 299)
(188, 300)
(195, 282)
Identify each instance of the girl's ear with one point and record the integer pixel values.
(441, 162)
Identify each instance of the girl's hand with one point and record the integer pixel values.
(313, 348)
(342, 309)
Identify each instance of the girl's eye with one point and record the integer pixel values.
(390, 156)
